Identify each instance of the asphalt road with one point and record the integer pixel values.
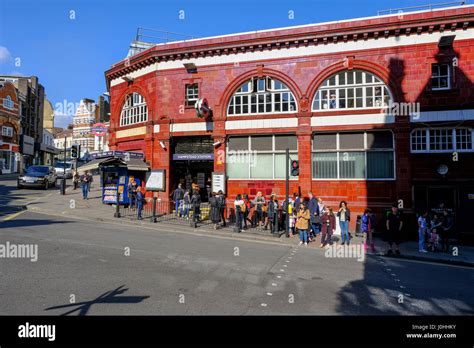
(12, 200)
(114, 269)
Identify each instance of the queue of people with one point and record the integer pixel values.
(434, 231)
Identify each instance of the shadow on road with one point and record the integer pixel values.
(108, 297)
(29, 223)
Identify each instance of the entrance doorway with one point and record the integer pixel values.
(192, 161)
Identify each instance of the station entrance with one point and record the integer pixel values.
(192, 162)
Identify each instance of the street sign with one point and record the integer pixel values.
(156, 180)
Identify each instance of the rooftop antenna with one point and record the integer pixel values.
(430, 7)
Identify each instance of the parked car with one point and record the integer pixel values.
(62, 172)
(37, 176)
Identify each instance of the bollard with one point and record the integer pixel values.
(62, 187)
(117, 210)
(153, 218)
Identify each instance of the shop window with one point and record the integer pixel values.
(262, 96)
(260, 157)
(427, 140)
(8, 102)
(351, 90)
(440, 76)
(192, 94)
(134, 111)
(361, 155)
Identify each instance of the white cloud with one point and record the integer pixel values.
(4, 54)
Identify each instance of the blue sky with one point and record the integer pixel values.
(70, 55)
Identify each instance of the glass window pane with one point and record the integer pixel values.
(351, 140)
(238, 143)
(235, 169)
(352, 165)
(324, 142)
(280, 165)
(379, 140)
(286, 141)
(380, 165)
(261, 143)
(261, 166)
(325, 165)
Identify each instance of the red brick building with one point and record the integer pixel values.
(331, 92)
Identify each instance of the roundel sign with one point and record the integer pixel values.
(99, 129)
(202, 108)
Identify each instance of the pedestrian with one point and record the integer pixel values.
(272, 212)
(186, 205)
(239, 206)
(315, 216)
(328, 226)
(422, 231)
(222, 206)
(394, 225)
(178, 195)
(446, 230)
(85, 182)
(132, 192)
(367, 227)
(215, 209)
(140, 197)
(248, 206)
(259, 203)
(90, 182)
(302, 223)
(75, 179)
(344, 215)
(436, 226)
(196, 206)
(286, 212)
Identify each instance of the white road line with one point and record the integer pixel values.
(269, 294)
(274, 284)
(278, 276)
(263, 304)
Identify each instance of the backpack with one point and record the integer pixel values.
(243, 208)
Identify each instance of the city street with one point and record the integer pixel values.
(91, 268)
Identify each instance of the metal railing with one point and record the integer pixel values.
(420, 7)
(156, 211)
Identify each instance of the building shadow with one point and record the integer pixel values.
(109, 297)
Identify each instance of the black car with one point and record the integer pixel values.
(37, 176)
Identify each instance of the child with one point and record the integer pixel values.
(139, 202)
(366, 227)
(422, 229)
(328, 226)
(434, 233)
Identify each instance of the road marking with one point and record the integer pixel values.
(274, 284)
(282, 270)
(14, 215)
(269, 294)
(263, 304)
(278, 276)
(285, 265)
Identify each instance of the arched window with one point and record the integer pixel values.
(134, 110)
(262, 96)
(353, 89)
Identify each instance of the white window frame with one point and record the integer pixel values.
(191, 94)
(272, 152)
(337, 87)
(8, 103)
(365, 150)
(7, 131)
(269, 88)
(453, 132)
(441, 76)
(134, 110)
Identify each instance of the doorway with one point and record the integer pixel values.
(192, 161)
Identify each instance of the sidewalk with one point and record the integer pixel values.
(74, 206)
(409, 250)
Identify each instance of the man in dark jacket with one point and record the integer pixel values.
(178, 195)
(222, 206)
(314, 213)
(196, 207)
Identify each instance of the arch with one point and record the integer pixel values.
(123, 100)
(240, 80)
(373, 68)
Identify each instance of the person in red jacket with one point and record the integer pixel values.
(328, 226)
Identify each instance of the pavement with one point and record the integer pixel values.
(72, 205)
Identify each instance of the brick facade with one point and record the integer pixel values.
(405, 70)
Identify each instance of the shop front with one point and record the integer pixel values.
(9, 157)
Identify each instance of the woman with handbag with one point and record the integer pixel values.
(302, 223)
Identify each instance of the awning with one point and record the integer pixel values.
(94, 164)
(133, 164)
(137, 164)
